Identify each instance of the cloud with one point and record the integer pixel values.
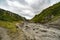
(30, 2)
(26, 8)
(19, 8)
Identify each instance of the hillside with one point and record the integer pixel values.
(8, 20)
(50, 14)
(9, 16)
(8, 28)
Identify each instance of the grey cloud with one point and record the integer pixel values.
(26, 15)
(38, 6)
(23, 2)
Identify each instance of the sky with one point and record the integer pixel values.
(26, 8)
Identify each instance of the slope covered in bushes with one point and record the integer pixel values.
(9, 16)
(50, 14)
(8, 20)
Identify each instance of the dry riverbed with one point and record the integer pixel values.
(31, 31)
(35, 31)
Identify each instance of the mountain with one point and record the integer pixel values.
(9, 16)
(50, 14)
(9, 19)
(8, 28)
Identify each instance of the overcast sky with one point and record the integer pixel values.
(26, 8)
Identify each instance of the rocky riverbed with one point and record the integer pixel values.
(5, 34)
(32, 31)
(36, 31)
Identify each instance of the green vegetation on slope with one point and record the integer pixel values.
(49, 14)
(8, 20)
(9, 16)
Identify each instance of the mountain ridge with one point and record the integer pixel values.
(7, 15)
(48, 14)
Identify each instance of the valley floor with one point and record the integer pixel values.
(36, 31)
(31, 31)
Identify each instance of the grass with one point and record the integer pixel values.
(9, 25)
